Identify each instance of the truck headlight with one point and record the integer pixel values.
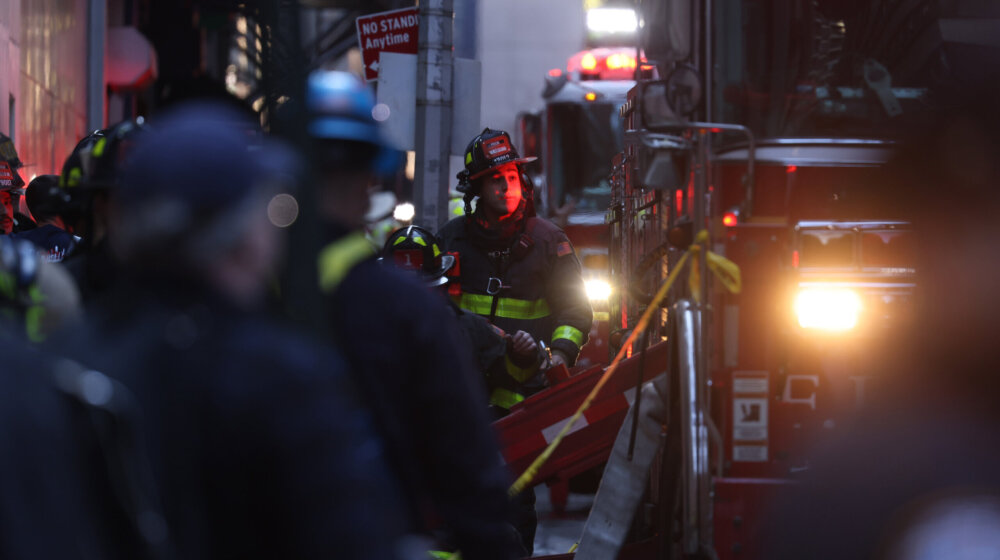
(597, 290)
(828, 309)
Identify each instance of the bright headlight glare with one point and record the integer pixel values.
(612, 20)
(598, 290)
(404, 212)
(828, 309)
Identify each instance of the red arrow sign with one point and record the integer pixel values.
(395, 31)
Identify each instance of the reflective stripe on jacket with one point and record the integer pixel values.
(543, 291)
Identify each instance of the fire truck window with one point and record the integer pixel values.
(826, 249)
(887, 249)
(595, 261)
(585, 138)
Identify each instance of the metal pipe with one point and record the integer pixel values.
(694, 435)
(435, 66)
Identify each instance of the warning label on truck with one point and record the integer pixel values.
(750, 404)
(750, 419)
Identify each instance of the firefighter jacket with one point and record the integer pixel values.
(403, 345)
(507, 380)
(529, 279)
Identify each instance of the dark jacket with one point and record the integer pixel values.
(55, 243)
(542, 283)
(402, 342)
(55, 496)
(256, 437)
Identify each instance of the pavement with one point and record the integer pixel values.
(558, 532)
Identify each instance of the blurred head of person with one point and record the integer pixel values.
(350, 152)
(416, 250)
(197, 202)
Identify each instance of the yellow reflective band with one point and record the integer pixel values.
(458, 210)
(569, 333)
(419, 240)
(339, 257)
(98, 150)
(398, 241)
(505, 398)
(508, 308)
(519, 373)
(75, 175)
(468, 158)
(437, 252)
(8, 285)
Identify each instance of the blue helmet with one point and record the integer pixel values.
(341, 107)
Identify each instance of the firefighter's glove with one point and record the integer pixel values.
(522, 349)
(558, 358)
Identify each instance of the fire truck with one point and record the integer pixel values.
(574, 136)
(767, 132)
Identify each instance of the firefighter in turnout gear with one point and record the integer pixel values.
(505, 360)
(517, 270)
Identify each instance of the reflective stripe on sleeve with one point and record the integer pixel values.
(508, 308)
(519, 373)
(505, 398)
(569, 333)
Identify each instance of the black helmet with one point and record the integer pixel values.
(416, 249)
(489, 150)
(94, 162)
(45, 198)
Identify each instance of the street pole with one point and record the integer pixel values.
(434, 113)
(97, 29)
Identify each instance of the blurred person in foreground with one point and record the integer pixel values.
(401, 341)
(257, 441)
(915, 476)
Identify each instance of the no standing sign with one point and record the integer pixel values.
(394, 31)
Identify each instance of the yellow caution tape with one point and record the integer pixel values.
(724, 269)
(729, 274)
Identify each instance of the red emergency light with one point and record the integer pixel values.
(604, 64)
(730, 219)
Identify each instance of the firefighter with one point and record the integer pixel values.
(10, 183)
(258, 442)
(517, 270)
(46, 201)
(402, 343)
(89, 177)
(505, 360)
